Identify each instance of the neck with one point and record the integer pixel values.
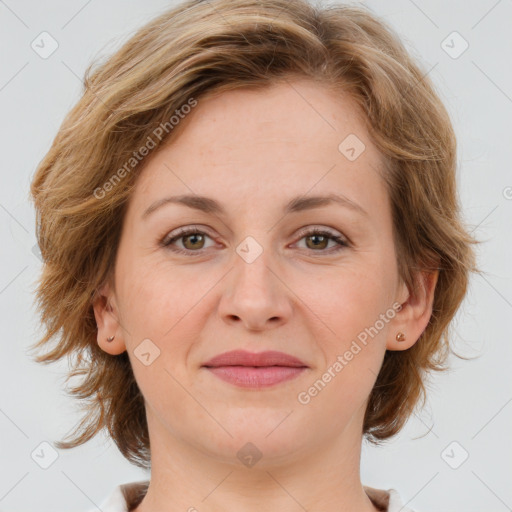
(325, 477)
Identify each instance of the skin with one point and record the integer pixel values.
(253, 151)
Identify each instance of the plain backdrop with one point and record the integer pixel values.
(458, 449)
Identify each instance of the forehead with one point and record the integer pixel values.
(283, 140)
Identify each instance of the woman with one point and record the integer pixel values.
(252, 246)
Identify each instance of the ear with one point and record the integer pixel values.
(412, 319)
(106, 314)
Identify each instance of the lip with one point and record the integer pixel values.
(255, 370)
(244, 358)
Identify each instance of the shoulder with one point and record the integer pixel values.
(124, 497)
(387, 500)
(127, 496)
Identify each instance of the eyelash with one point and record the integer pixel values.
(166, 242)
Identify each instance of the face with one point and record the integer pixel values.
(252, 274)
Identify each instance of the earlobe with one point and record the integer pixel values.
(399, 340)
(109, 336)
(414, 316)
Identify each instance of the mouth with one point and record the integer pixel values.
(255, 370)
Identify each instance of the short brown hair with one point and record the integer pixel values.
(190, 51)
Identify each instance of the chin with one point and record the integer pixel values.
(269, 440)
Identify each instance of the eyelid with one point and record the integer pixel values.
(341, 240)
(308, 230)
(185, 231)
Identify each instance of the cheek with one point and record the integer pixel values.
(349, 300)
(168, 307)
(353, 344)
(157, 296)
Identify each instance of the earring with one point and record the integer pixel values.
(110, 338)
(400, 336)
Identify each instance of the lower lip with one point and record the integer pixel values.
(256, 377)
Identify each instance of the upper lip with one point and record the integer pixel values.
(244, 358)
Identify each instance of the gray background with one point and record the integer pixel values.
(469, 405)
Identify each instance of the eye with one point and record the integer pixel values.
(318, 239)
(193, 241)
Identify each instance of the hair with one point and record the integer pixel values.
(82, 185)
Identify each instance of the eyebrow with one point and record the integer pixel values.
(297, 204)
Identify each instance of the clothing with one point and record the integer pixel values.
(117, 501)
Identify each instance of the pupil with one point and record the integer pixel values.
(193, 238)
(321, 237)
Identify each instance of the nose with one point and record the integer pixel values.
(255, 295)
